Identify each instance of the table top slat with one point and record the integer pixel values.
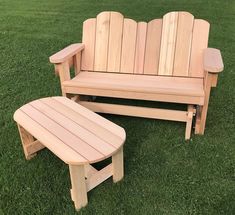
(82, 133)
(48, 139)
(72, 132)
(62, 133)
(81, 119)
(101, 121)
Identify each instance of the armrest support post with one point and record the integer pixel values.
(64, 74)
(77, 63)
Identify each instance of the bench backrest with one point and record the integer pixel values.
(172, 46)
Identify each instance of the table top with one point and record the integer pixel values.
(72, 132)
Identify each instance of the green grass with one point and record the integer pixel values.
(163, 173)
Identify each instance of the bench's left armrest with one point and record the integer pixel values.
(212, 60)
(66, 53)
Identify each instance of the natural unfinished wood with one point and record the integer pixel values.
(77, 63)
(66, 53)
(34, 147)
(101, 41)
(128, 46)
(189, 122)
(118, 169)
(64, 73)
(115, 42)
(98, 177)
(168, 43)
(138, 83)
(213, 60)
(88, 38)
(140, 48)
(183, 44)
(70, 134)
(146, 112)
(202, 114)
(89, 170)
(77, 136)
(133, 58)
(30, 146)
(78, 191)
(199, 43)
(152, 51)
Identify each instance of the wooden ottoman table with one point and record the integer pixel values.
(78, 136)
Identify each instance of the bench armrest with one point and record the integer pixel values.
(66, 53)
(213, 61)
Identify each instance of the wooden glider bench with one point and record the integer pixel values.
(78, 136)
(165, 60)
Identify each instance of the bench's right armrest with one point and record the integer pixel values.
(66, 53)
(213, 61)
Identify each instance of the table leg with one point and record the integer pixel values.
(78, 191)
(117, 162)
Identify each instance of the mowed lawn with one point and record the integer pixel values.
(164, 174)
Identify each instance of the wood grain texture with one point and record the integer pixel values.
(78, 191)
(213, 61)
(99, 177)
(152, 51)
(146, 112)
(77, 63)
(183, 44)
(70, 140)
(66, 53)
(93, 117)
(128, 46)
(118, 165)
(76, 139)
(199, 43)
(102, 40)
(160, 97)
(139, 83)
(73, 127)
(168, 43)
(88, 38)
(115, 42)
(140, 48)
(47, 138)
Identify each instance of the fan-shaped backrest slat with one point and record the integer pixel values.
(140, 47)
(88, 38)
(199, 43)
(172, 46)
(101, 41)
(128, 46)
(115, 42)
(168, 43)
(183, 44)
(152, 51)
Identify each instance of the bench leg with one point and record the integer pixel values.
(30, 145)
(189, 122)
(202, 110)
(201, 119)
(117, 162)
(78, 191)
(201, 116)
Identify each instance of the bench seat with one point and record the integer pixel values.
(140, 85)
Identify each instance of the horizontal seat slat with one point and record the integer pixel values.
(138, 83)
